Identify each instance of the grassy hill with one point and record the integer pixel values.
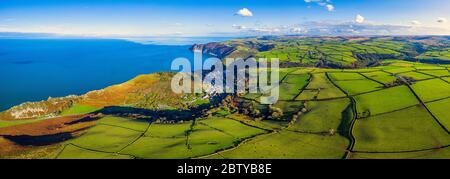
(340, 98)
(151, 91)
(335, 52)
(396, 110)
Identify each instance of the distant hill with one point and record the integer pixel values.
(334, 52)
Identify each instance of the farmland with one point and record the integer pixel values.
(335, 52)
(343, 100)
(326, 114)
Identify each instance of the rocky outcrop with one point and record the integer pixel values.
(48, 108)
(145, 91)
(215, 49)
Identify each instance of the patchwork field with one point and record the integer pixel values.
(380, 76)
(426, 154)
(322, 114)
(405, 130)
(325, 88)
(289, 145)
(430, 90)
(355, 87)
(123, 137)
(441, 111)
(384, 101)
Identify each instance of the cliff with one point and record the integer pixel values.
(151, 91)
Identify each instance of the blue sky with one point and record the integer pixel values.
(221, 18)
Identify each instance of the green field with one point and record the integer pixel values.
(325, 88)
(289, 145)
(441, 110)
(308, 95)
(158, 148)
(428, 154)
(289, 107)
(404, 130)
(397, 70)
(447, 79)
(74, 152)
(441, 54)
(168, 130)
(322, 117)
(380, 76)
(345, 76)
(121, 137)
(416, 75)
(383, 101)
(430, 90)
(106, 138)
(290, 91)
(14, 123)
(137, 125)
(79, 109)
(356, 87)
(389, 122)
(436, 73)
(232, 127)
(339, 98)
(296, 79)
(319, 81)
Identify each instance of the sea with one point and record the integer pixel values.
(38, 68)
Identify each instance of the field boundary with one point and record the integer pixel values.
(139, 137)
(267, 130)
(91, 150)
(112, 125)
(384, 113)
(352, 123)
(429, 111)
(304, 87)
(404, 151)
(367, 78)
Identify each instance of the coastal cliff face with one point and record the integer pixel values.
(151, 91)
(215, 49)
(233, 49)
(48, 108)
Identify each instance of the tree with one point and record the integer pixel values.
(332, 132)
(275, 113)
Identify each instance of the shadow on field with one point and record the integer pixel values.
(148, 114)
(56, 131)
(26, 140)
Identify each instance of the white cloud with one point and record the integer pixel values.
(441, 20)
(324, 3)
(330, 7)
(336, 28)
(244, 12)
(308, 1)
(297, 30)
(415, 22)
(359, 19)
